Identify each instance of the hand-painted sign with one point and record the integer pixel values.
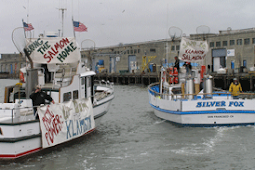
(53, 50)
(63, 122)
(192, 51)
(220, 104)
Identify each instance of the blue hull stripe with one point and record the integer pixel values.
(211, 125)
(203, 112)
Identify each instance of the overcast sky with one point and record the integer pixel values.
(111, 22)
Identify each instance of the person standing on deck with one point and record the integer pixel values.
(235, 88)
(177, 63)
(38, 98)
(188, 67)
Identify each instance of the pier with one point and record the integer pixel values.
(129, 78)
(221, 81)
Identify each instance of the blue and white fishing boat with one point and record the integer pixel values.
(185, 104)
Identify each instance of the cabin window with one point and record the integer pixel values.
(173, 48)
(177, 47)
(67, 96)
(19, 95)
(75, 94)
(82, 80)
(88, 83)
(253, 40)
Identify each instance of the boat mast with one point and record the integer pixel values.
(63, 11)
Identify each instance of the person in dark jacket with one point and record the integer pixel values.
(177, 63)
(188, 67)
(38, 98)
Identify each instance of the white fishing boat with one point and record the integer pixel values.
(79, 103)
(182, 102)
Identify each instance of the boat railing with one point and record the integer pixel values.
(165, 95)
(64, 72)
(105, 83)
(17, 114)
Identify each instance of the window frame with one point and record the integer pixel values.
(231, 42)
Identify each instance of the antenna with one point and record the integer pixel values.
(63, 11)
(203, 29)
(174, 32)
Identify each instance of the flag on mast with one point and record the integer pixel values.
(27, 27)
(79, 27)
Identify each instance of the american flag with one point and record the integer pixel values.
(79, 27)
(28, 27)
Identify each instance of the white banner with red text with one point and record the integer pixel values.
(192, 51)
(65, 121)
(53, 50)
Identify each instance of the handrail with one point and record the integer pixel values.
(106, 83)
(16, 110)
(198, 94)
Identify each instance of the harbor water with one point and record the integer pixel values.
(130, 136)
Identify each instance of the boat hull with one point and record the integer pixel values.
(25, 138)
(218, 110)
(16, 147)
(206, 119)
(101, 108)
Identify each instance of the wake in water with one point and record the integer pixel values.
(206, 145)
(159, 122)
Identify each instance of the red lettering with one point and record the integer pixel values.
(57, 46)
(52, 124)
(45, 56)
(46, 136)
(188, 51)
(50, 53)
(64, 42)
(55, 52)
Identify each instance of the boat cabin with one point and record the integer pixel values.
(61, 82)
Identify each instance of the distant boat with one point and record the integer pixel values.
(175, 99)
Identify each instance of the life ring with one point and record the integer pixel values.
(170, 81)
(175, 72)
(171, 71)
(21, 77)
(176, 81)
